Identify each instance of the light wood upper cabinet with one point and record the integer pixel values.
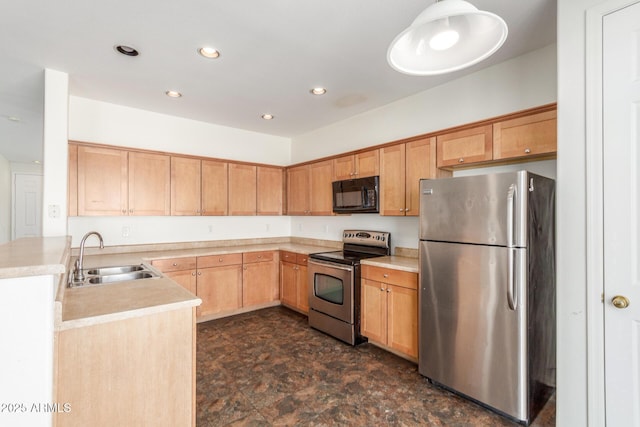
(270, 187)
(102, 181)
(401, 168)
(214, 196)
(465, 146)
(392, 180)
(527, 136)
(149, 184)
(242, 189)
(185, 186)
(357, 165)
(320, 189)
(298, 198)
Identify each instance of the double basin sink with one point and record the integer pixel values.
(105, 275)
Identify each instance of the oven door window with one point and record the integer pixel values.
(329, 288)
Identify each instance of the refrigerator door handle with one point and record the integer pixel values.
(512, 298)
(511, 201)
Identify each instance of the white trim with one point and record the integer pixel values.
(594, 202)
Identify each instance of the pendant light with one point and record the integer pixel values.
(447, 36)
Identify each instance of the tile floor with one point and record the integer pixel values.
(269, 368)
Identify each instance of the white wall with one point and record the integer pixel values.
(523, 82)
(5, 200)
(101, 122)
(55, 157)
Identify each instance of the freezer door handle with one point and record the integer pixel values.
(511, 201)
(512, 297)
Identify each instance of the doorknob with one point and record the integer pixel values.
(620, 302)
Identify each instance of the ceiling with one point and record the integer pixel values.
(272, 53)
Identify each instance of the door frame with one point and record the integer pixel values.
(13, 200)
(596, 409)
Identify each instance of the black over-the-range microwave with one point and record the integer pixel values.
(358, 195)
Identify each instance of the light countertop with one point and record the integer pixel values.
(34, 256)
(394, 262)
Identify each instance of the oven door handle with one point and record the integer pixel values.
(330, 264)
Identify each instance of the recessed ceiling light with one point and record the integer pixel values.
(13, 118)
(127, 50)
(209, 52)
(267, 116)
(173, 94)
(318, 91)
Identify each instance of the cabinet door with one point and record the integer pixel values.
(527, 136)
(288, 292)
(344, 168)
(185, 278)
(242, 189)
(302, 286)
(402, 328)
(320, 189)
(367, 163)
(149, 184)
(214, 188)
(374, 311)
(418, 165)
(220, 289)
(392, 180)
(102, 181)
(298, 191)
(270, 185)
(72, 180)
(259, 283)
(185, 186)
(465, 146)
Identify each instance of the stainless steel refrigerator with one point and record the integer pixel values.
(487, 289)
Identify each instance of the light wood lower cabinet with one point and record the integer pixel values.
(294, 287)
(131, 372)
(180, 270)
(219, 283)
(259, 278)
(390, 309)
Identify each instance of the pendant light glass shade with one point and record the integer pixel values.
(447, 36)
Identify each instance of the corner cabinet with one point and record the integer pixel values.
(390, 309)
(309, 189)
(401, 168)
(117, 182)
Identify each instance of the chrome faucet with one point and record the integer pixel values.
(80, 261)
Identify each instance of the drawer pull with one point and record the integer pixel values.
(175, 264)
(220, 260)
(385, 275)
(460, 160)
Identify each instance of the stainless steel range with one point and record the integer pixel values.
(334, 279)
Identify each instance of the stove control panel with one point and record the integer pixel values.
(367, 238)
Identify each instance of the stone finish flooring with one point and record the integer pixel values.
(269, 368)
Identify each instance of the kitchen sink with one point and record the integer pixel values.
(114, 274)
(110, 278)
(102, 271)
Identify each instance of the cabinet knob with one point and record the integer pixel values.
(385, 275)
(527, 150)
(381, 289)
(220, 260)
(460, 160)
(175, 264)
(202, 211)
(124, 211)
(130, 210)
(259, 256)
(199, 273)
(193, 274)
(244, 268)
(389, 290)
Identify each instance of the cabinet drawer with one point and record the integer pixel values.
(249, 257)
(175, 264)
(219, 260)
(288, 256)
(301, 259)
(387, 275)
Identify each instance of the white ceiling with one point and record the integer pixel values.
(272, 53)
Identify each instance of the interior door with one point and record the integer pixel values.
(621, 168)
(27, 206)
